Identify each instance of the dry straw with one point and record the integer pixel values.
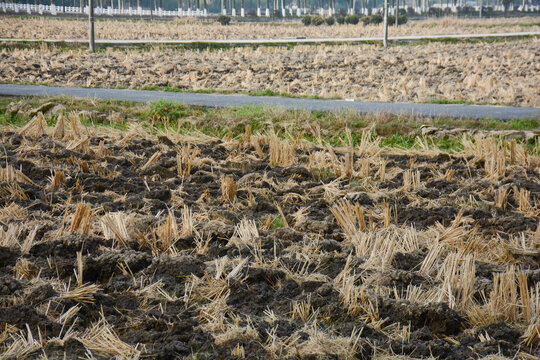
(82, 294)
(349, 217)
(281, 152)
(58, 179)
(114, 227)
(10, 175)
(35, 127)
(184, 160)
(82, 219)
(457, 275)
(103, 340)
(23, 345)
(228, 189)
(59, 128)
(152, 160)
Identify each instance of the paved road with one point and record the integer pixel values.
(282, 41)
(216, 100)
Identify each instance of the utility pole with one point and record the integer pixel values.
(397, 13)
(91, 21)
(385, 41)
(480, 10)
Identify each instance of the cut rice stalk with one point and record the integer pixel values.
(35, 128)
(82, 220)
(114, 227)
(228, 189)
(102, 339)
(82, 294)
(152, 160)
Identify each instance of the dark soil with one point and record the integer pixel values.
(302, 262)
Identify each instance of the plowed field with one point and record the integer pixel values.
(150, 242)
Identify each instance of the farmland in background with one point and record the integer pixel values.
(50, 28)
(495, 73)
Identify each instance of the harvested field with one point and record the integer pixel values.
(158, 242)
(500, 73)
(49, 28)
